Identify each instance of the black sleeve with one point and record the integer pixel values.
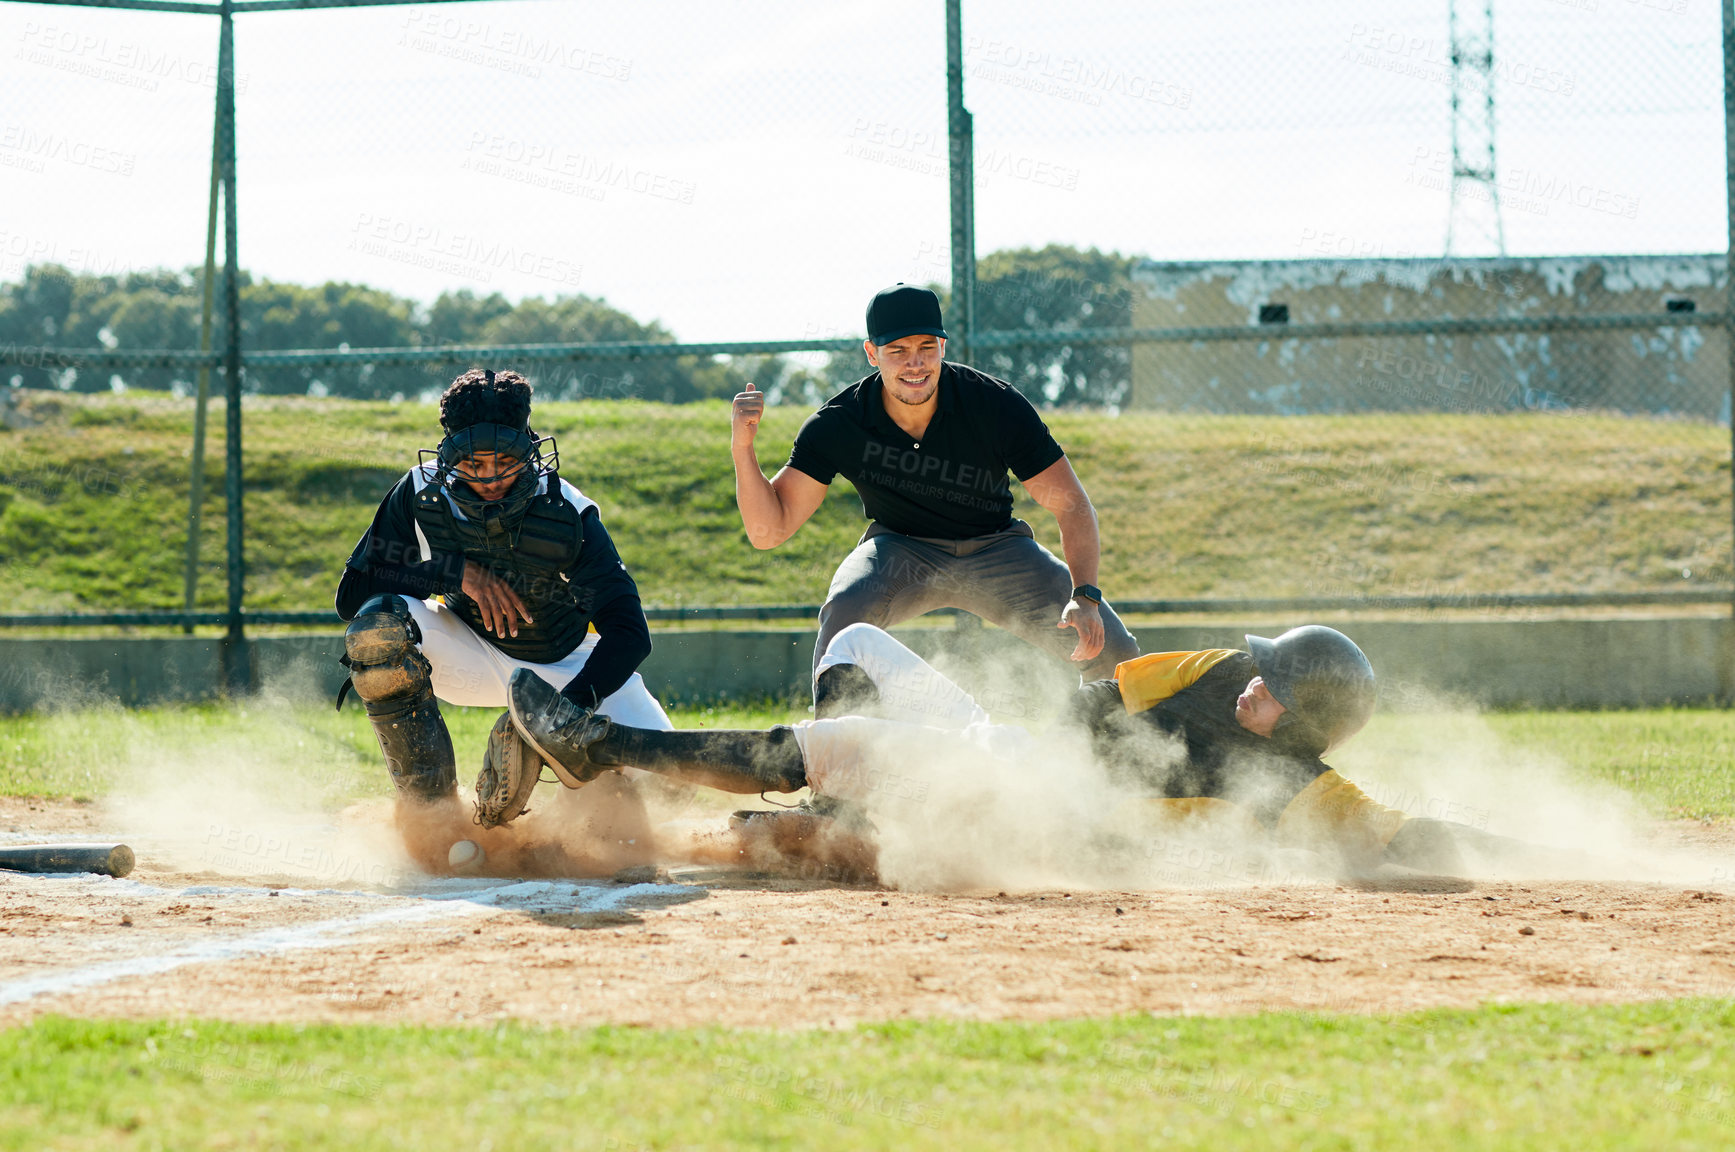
(1025, 440)
(814, 451)
(1120, 742)
(607, 592)
(1097, 707)
(388, 558)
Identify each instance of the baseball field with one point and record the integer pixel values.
(276, 973)
(1395, 338)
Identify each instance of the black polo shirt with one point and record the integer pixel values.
(951, 485)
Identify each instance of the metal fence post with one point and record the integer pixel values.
(236, 664)
(1729, 253)
(196, 477)
(962, 152)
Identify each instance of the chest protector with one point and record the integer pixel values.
(532, 552)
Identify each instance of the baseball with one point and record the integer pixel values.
(465, 856)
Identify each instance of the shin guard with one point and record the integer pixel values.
(771, 761)
(395, 683)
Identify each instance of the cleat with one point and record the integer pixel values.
(557, 729)
(818, 839)
(510, 769)
(844, 814)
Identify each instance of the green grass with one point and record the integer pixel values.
(1681, 761)
(1675, 763)
(295, 747)
(93, 501)
(1654, 1075)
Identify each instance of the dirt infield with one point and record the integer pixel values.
(713, 946)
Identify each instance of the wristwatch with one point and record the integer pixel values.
(1088, 592)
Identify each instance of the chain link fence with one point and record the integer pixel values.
(1303, 245)
(1224, 225)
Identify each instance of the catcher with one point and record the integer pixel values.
(481, 562)
(1224, 735)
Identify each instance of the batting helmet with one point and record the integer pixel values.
(1321, 677)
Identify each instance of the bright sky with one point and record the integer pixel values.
(756, 170)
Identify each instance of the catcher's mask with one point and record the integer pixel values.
(1322, 678)
(529, 458)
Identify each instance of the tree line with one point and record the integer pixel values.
(53, 307)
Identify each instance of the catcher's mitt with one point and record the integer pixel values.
(510, 769)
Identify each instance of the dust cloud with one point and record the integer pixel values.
(265, 800)
(1021, 804)
(1442, 760)
(999, 806)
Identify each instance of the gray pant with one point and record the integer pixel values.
(1007, 579)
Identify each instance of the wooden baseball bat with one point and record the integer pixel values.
(109, 859)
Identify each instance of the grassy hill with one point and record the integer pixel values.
(93, 501)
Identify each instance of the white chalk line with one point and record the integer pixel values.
(328, 933)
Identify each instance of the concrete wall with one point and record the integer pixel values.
(1546, 663)
(1675, 370)
(1550, 663)
(137, 670)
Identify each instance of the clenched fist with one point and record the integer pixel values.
(744, 419)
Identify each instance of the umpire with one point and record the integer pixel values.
(928, 445)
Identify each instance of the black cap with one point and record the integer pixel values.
(901, 311)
